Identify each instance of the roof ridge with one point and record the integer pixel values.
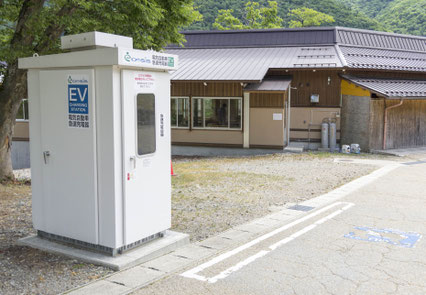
(316, 28)
(244, 31)
(308, 36)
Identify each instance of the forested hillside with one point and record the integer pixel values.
(401, 16)
(405, 16)
(370, 7)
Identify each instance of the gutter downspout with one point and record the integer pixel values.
(385, 125)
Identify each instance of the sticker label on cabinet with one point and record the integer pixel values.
(78, 101)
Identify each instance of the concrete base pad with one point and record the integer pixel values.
(170, 242)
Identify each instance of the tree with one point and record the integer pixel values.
(405, 17)
(307, 17)
(255, 17)
(226, 21)
(370, 7)
(34, 26)
(345, 12)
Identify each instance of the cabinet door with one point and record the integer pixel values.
(146, 153)
(68, 144)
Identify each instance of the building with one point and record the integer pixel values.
(267, 88)
(21, 137)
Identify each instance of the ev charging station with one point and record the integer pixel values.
(100, 142)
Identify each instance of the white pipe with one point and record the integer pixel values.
(288, 115)
(246, 118)
(284, 125)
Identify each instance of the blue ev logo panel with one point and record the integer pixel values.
(78, 101)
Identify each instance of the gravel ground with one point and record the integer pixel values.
(28, 271)
(210, 195)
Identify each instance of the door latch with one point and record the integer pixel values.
(133, 159)
(46, 155)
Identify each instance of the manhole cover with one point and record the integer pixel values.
(301, 208)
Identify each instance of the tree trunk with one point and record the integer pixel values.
(13, 90)
(14, 87)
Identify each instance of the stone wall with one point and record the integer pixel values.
(355, 120)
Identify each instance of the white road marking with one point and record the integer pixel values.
(334, 195)
(192, 273)
(310, 227)
(237, 266)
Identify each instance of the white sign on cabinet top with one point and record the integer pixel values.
(147, 59)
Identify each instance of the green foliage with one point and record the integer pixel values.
(400, 16)
(270, 19)
(151, 23)
(306, 17)
(370, 8)
(344, 14)
(226, 21)
(255, 17)
(405, 16)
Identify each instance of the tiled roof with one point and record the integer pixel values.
(249, 64)
(391, 88)
(382, 59)
(367, 38)
(246, 55)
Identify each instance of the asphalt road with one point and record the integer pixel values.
(370, 242)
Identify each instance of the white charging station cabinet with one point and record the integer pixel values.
(100, 142)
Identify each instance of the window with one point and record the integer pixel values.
(23, 111)
(180, 112)
(223, 113)
(216, 113)
(235, 113)
(197, 113)
(146, 124)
